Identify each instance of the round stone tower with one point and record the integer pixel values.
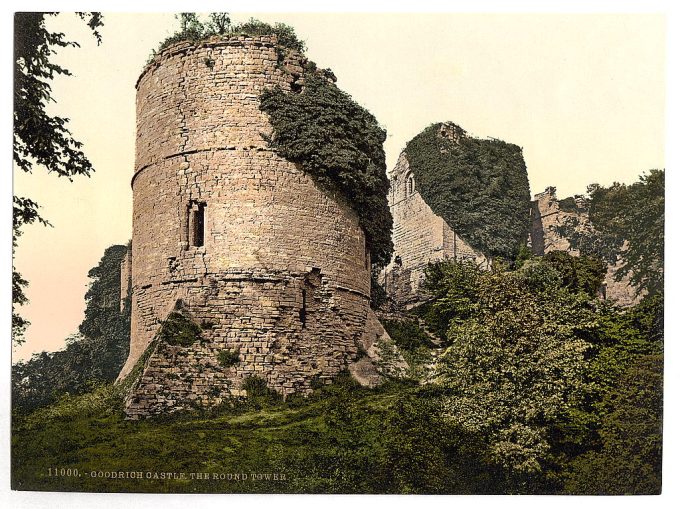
(238, 240)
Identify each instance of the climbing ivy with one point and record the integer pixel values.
(333, 139)
(480, 188)
(338, 143)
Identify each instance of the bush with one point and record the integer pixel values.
(228, 357)
(407, 334)
(179, 330)
(192, 29)
(579, 273)
(103, 399)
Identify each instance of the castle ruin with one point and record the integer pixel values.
(236, 239)
(271, 271)
(420, 237)
(548, 216)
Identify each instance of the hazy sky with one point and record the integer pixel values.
(582, 94)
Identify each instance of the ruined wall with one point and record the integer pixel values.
(125, 277)
(420, 237)
(548, 216)
(236, 237)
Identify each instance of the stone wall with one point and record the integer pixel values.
(238, 238)
(548, 216)
(125, 277)
(420, 237)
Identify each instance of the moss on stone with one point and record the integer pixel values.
(179, 330)
(228, 357)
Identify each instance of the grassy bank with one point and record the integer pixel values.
(341, 439)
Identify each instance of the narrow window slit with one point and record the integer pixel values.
(196, 224)
(303, 309)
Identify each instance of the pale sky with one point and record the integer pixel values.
(582, 94)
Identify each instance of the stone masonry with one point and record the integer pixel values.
(125, 278)
(234, 237)
(420, 237)
(547, 216)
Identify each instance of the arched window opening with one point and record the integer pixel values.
(410, 185)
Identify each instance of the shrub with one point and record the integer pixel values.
(192, 29)
(407, 334)
(228, 357)
(179, 330)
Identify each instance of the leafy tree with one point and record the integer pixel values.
(630, 460)
(627, 225)
(219, 22)
(414, 460)
(578, 273)
(480, 187)
(454, 288)
(40, 139)
(95, 355)
(516, 367)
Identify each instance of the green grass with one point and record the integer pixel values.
(301, 438)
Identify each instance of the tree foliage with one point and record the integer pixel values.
(193, 29)
(578, 273)
(480, 188)
(95, 355)
(516, 363)
(627, 225)
(629, 462)
(544, 374)
(40, 139)
(340, 144)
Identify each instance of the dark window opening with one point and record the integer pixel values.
(196, 224)
(303, 309)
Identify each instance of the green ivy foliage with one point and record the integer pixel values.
(228, 357)
(340, 145)
(480, 188)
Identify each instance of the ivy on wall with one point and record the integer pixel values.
(338, 143)
(480, 187)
